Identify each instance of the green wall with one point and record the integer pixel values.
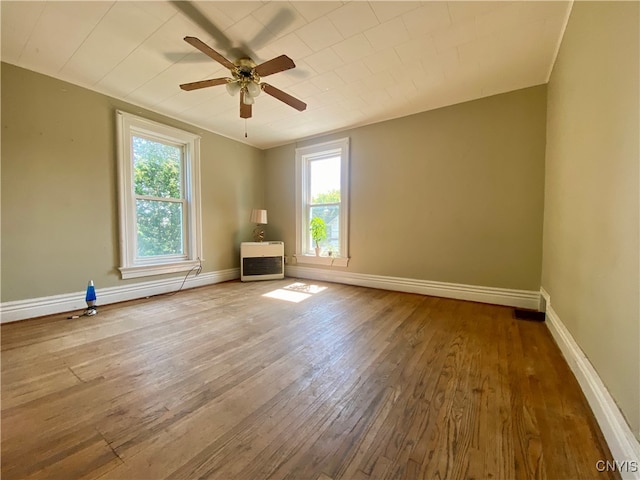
(452, 195)
(592, 217)
(59, 188)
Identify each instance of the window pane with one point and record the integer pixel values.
(325, 180)
(331, 216)
(159, 228)
(156, 169)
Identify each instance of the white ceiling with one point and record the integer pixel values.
(357, 62)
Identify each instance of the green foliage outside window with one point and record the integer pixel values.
(330, 212)
(332, 196)
(157, 176)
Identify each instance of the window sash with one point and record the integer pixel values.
(331, 242)
(183, 232)
(328, 204)
(131, 264)
(160, 199)
(304, 157)
(163, 141)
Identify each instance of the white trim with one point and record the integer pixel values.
(155, 269)
(302, 171)
(128, 124)
(321, 260)
(37, 307)
(499, 296)
(616, 431)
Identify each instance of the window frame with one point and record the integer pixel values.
(132, 266)
(304, 157)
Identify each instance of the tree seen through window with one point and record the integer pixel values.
(159, 197)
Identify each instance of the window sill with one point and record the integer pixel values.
(157, 269)
(327, 261)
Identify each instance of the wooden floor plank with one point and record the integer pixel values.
(232, 381)
(310, 390)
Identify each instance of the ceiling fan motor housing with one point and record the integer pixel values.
(245, 66)
(245, 75)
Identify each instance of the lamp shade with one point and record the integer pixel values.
(253, 89)
(259, 216)
(247, 99)
(233, 88)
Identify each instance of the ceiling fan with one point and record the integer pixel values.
(246, 76)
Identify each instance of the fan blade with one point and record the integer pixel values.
(278, 23)
(284, 97)
(245, 110)
(207, 50)
(192, 12)
(275, 65)
(204, 83)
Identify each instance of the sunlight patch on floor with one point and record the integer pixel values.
(296, 292)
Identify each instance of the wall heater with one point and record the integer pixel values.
(261, 261)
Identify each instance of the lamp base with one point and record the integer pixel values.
(258, 234)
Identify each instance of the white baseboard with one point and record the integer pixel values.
(617, 433)
(499, 296)
(36, 307)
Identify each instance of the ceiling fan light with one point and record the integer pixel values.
(247, 99)
(254, 89)
(233, 88)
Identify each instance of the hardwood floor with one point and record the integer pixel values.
(238, 381)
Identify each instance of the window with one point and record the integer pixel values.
(159, 197)
(322, 173)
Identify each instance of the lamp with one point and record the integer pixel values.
(253, 88)
(90, 298)
(259, 217)
(247, 99)
(233, 87)
(245, 80)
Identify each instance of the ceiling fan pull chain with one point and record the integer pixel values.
(245, 128)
